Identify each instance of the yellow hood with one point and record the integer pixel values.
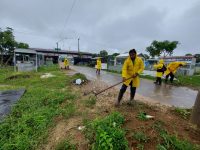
(161, 61)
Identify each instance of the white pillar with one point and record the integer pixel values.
(36, 64)
(14, 60)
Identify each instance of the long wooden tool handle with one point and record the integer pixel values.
(112, 86)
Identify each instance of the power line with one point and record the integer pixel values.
(26, 33)
(67, 18)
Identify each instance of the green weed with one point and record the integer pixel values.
(106, 133)
(65, 145)
(173, 143)
(184, 113)
(142, 116)
(170, 142)
(90, 102)
(140, 147)
(140, 136)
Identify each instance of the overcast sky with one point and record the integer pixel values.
(113, 25)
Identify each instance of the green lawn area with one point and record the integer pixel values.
(27, 125)
(192, 81)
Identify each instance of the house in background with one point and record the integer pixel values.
(188, 69)
(32, 58)
(119, 61)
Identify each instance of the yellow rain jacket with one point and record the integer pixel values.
(173, 66)
(159, 66)
(98, 63)
(66, 63)
(131, 68)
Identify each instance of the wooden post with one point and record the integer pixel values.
(195, 117)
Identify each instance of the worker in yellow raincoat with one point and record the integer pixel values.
(131, 69)
(171, 70)
(160, 71)
(66, 63)
(98, 66)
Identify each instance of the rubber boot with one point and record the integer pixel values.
(132, 95)
(121, 93)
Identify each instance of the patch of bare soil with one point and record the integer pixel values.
(64, 129)
(163, 115)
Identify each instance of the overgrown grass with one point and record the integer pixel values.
(140, 147)
(106, 133)
(27, 125)
(65, 145)
(79, 76)
(91, 101)
(183, 113)
(169, 141)
(114, 71)
(140, 136)
(147, 77)
(192, 81)
(173, 143)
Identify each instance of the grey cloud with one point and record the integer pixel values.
(115, 25)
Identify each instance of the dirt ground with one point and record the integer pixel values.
(68, 128)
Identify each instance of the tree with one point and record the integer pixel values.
(94, 55)
(189, 54)
(162, 47)
(197, 56)
(103, 53)
(22, 45)
(7, 44)
(145, 56)
(115, 54)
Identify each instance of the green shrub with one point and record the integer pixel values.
(79, 76)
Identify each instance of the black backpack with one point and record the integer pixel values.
(163, 69)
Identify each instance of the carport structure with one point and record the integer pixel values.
(27, 60)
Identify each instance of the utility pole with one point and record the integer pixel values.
(57, 46)
(78, 46)
(57, 51)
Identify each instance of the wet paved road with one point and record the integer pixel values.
(165, 94)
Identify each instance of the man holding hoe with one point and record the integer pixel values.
(131, 69)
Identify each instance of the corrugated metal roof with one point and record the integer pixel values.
(27, 51)
(175, 57)
(123, 55)
(59, 51)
